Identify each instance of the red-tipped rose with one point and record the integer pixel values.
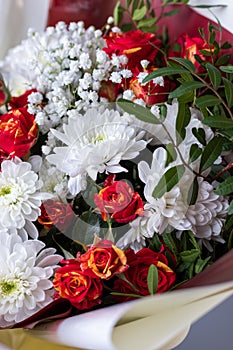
(75, 285)
(135, 44)
(18, 132)
(103, 260)
(119, 202)
(137, 272)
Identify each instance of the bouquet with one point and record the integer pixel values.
(116, 162)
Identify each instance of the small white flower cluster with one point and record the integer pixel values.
(66, 65)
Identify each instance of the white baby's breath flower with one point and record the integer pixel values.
(144, 63)
(158, 81)
(141, 76)
(20, 196)
(128, 95)
(25, 272)
(116, 77)
(95, 143)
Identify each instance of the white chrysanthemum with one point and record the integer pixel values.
(95, 143)
(160, 213)
(207, 215)
(54, 181)
(162, 135)
(170, 208)
(25, 272)
(20, 197)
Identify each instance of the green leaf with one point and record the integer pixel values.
(219, 121)
(214, 74)
(171, 13)
(118, 13)
(211, 152)
(193, 192)
(224, 59)
(142, 113)
(229, 222)
(128, 3)
(169, 242)
(126, 27)
(168, 180)
(228, 133)
(152, 279)
(155, 243)
(194, 152)
(230, 208)
(228, 91)
(171, 153)
(148, 22)
(182, 120)
(200, 135)
(225, 187)
(201, 264)
(190, 256)
(139, 13)
(207, 101)
(164, 72)
(226, 69)
(185, 63)
(185, 88)
(135, 5)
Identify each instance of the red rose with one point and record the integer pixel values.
(119, 202)
(20, 101)
(73, 284)
(110, 90)
(54, 213)
(189, 47)
(135, 44)
(103, 260)
(152, 92)
(137, 272)
(18, 132)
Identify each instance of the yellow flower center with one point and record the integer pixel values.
(5, 191)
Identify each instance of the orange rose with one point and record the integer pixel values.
(54, 213)
(75, 285)
(103, 260)
(135, 44)
(119, 202)
(18, 132)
